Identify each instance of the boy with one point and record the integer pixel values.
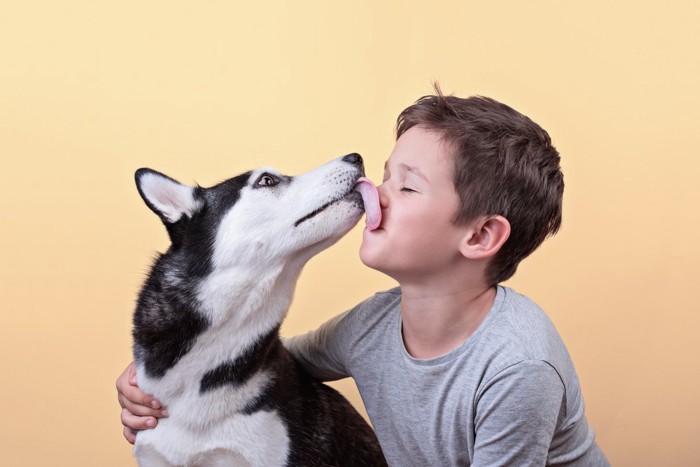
(453, 368)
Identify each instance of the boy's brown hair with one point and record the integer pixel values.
(504, 164)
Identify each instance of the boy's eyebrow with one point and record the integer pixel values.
(408, 168)
(413, 170)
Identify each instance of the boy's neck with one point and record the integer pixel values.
(434, 322)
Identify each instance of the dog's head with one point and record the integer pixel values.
(258, 218)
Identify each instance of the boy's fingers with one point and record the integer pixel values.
(130, 435)
(131, 372)
(135, 422)
(141, 410)
(135, 396)
(131, 395)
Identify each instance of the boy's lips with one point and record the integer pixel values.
(370, 199)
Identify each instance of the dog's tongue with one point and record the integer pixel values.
(370, 198)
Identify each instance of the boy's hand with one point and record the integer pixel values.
(139, 410)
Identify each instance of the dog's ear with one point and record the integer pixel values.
(168, 198)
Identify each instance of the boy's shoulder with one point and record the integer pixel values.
(518, 330)
(521, 311)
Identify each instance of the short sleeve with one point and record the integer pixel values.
(323, 353)
(516, 415)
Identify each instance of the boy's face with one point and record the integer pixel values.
(416, 239)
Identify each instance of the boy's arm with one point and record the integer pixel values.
(323, 353)
(516, 416)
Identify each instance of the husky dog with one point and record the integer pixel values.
(206, 325)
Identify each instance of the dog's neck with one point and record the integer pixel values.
(233, 309)
(248, 304)
(240, 311)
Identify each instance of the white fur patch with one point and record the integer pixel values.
(260, 438)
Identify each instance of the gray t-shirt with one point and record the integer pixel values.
(508, 395)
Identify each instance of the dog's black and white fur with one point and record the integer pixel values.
(206, 326)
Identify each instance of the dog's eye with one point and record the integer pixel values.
(267, 180)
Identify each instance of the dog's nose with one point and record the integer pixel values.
(354, 159)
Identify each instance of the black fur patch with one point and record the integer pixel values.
(237, 372)
(324, 429)
(166, 323)
(198, 239)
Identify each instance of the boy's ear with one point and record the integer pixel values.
(485, 237)
(167, 197)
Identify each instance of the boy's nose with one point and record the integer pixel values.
(383, 201)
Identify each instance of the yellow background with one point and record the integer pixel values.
(203, 90)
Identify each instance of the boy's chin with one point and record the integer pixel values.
(368, 259)
(373, 262)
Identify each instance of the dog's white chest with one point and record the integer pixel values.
(259, 439)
